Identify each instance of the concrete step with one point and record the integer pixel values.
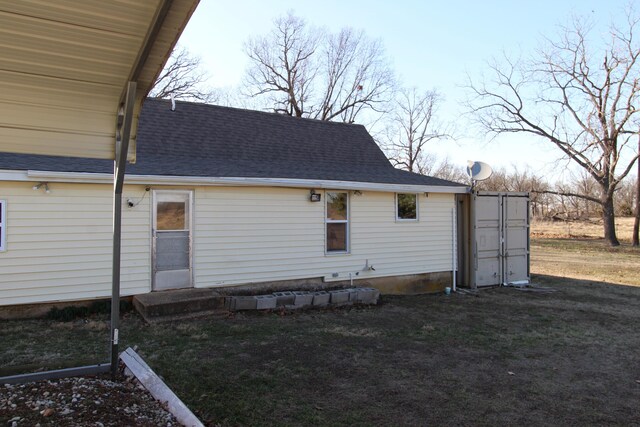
(179, 304)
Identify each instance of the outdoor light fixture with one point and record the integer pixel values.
(40, 185)
(313, 196)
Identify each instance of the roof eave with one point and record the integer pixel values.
(97, 178)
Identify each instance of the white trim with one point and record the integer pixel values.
(417, 218)
(158, 389)
(98, 178)
(3, 225)
(338, 221)
(12, 175)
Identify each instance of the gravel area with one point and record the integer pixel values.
(81, 402)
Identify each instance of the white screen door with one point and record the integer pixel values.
(171, 239)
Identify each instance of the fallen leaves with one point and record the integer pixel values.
(47, 412)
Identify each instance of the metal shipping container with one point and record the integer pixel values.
(494, 239)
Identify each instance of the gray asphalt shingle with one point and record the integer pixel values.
(211, 141)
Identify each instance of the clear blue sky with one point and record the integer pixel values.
(430, 44)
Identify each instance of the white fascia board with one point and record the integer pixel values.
(83, 177)
(11, 175)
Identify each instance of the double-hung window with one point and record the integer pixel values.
(337, 222)
(406, 207)
(3, 225)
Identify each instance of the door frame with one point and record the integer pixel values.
(154, 199)
(463, 243)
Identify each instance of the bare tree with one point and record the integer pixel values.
(183, 78)
(625, 197)
(412, 128)
(581, 101)
(443, 168)
(283, 65)
(540, 201)
(305, 72)
(355, 76)
(521, 181)
(498, 181)
(635, 238)
(514, 180)
(582, 193)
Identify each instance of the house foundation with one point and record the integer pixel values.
(412, 284)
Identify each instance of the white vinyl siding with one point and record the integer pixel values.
(59, 246)
(246, 235)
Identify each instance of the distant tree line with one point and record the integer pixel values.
(554, 200)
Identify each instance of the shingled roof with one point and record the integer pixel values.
(202, 140)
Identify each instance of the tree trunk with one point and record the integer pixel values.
(636, 222)
(609, 219)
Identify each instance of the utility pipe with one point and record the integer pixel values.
(454, 251)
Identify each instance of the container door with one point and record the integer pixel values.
(516, 236)
(487, 250)
(171, 240)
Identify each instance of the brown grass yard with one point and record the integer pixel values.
(500, 357)
(577, 250)
(591, 229)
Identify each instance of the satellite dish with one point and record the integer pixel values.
(478, 171)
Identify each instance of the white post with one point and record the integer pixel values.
(123, 132)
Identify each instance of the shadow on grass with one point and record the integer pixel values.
(596, 290)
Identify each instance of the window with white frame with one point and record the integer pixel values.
(3, 225)
(337, 222)
(406, 207)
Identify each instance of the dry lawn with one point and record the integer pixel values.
(578, 250)
(592, 229)
(501, 356)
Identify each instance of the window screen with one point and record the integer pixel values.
(337, 221)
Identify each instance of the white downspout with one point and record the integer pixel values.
(453, 247)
